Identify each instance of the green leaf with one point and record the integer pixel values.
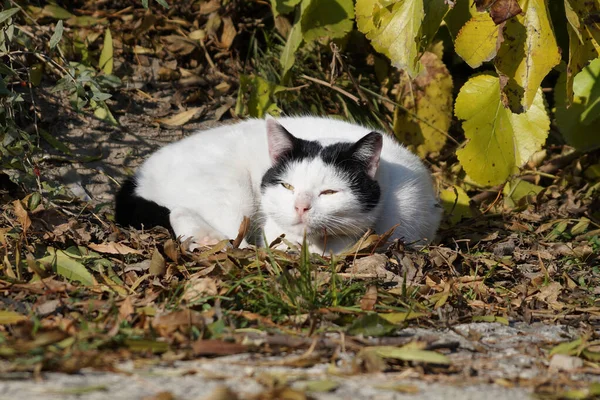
(10, 317)
(371, 325)
(456, 204)
(52, 141)
(490, 318)
(578, 123)
(67, 267)
(54, 11)
(283, 6)
(409, 353)
(398, 317)
(518, 189)
(527, 54)
(584, 38)
(255, 96)
(499, 141)
(57, 35)
(393, 27)
(163, 3)
(103, 113)
(106, 57)
(326, 18)
(568, 348)
(458, 16)
(141, 345)
(288, 55)
(435, 11)
(321, 386)
(145, 4)
(423, 121)
(477, 41)
(6, 14)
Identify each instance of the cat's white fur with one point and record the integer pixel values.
(212, 179)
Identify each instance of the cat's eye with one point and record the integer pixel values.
(328, 191)
(287, 186)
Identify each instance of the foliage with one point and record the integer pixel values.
(82, 292)
(23, 65)
(519, 40)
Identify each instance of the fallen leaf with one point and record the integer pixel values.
(200, 288)
(11, 317)
(126, 309)
(409, 353)
(22, 216)
(113, 248)
(228, 34)
(180, 119)
(368, 301)
(157, 264)
(217, 348)
(500, 10)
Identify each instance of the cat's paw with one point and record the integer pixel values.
(207, 240)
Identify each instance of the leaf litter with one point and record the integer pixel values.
(77, 301)
(79, 292)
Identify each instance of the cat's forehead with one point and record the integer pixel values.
(309, 173)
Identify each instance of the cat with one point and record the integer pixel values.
(323, 177)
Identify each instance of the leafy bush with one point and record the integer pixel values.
(502, 107)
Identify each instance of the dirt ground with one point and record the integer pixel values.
(489, 360)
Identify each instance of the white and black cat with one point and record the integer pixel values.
(329, 179)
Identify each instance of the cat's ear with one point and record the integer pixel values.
(368, 151)
(279, 139)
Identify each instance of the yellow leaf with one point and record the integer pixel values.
(477, 40)
(408, 353)
(11, 317)
(456, 204)
(578, 121)
(528, 53)
(398, 317)
(499, 141)
(424, 121)
(393, 28)
(584, 38)
(518, 189)
(106, 57)
(180, 119)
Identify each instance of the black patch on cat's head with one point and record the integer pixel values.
(300, 150)
(348, 159)
(353, 160)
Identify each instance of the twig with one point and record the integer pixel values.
(336, 88)
(412, 114)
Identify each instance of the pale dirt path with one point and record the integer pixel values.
(490, 365)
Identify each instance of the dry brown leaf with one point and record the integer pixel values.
(217, 348)
(221, 392)
(126, 309)
(244, 226)
(207, 7)
(113, 248)
(165, 324)
(228, 34)
(160, 396)
(180, 119)
(500, 10)
(171, 250)
(22, 216)
(200, 288)
(549, 294)
(368, 301)
(157, 264)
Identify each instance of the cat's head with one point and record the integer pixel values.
(321, 189)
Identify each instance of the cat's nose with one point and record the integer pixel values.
(302, 206)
